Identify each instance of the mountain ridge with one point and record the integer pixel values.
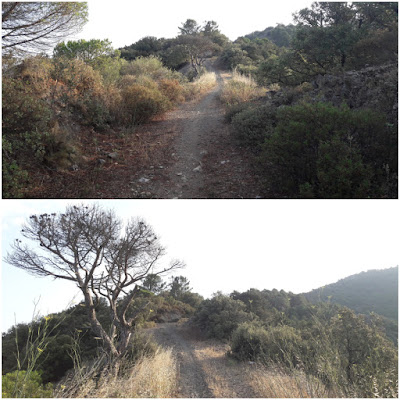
(374, 290)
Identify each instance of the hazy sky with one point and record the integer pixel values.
(228, 245)
(125, 22)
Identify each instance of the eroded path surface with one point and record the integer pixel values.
(204, 163)
(204, 369)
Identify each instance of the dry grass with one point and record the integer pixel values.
(269, 383)
(154, 376)
(239, 89)
(201, 86)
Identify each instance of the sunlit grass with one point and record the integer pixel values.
(270, 383)
(240, 89)
(152, 376)
(201, 85)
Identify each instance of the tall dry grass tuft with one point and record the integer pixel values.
(201, 85)
(151, 376)
(273, 383)
(240, 89)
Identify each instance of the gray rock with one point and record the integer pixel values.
(113, 156)
(143, 180)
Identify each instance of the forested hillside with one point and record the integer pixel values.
(370, 291)
(312, 106)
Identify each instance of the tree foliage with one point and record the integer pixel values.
(37, 26)
(332, 36)
(85, 245)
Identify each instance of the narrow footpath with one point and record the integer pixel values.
(204, 369)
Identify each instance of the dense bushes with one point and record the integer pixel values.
(343, 350)
(47, 101)
(140, 103)
(65, 339)
(220, 316)
(20, 384)
(318, 150)
(252, 125)
(279, 344)
(322, 151)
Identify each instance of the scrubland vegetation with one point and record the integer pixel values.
(52, 104)
(321, 350)
(100, 346)
(314, 102)
(311, 135)
(297, 349)
(50, 101)
(61, 350)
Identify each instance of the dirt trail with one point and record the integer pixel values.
(187, 153)
(204, 369)
(204, 162)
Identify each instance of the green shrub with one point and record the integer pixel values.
(249, 342)
(219, 317)
(19, 384)
(341, 172)
(149, 66)
(142, 103)
(192, 299)
(318, 150)
(14, 177)
(22, 109)
(141, 345)
(253, 125)
(25, 131)
(271, 345)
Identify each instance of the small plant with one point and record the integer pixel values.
(26, 381)
(21, 384)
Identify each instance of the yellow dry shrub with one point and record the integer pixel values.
(126, 80)
(240, 89)
(172, 89)
(36, 72)
(141, 103)
(201, 85)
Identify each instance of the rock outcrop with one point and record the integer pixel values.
(372, 87)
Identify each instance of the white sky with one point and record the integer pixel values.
(228, 245)
(125, 22)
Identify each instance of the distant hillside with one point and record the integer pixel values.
(374, 290)
(281, 34)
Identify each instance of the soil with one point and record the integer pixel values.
(186, 153)
(205, 370)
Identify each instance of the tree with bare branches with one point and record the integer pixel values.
(37, 26)
(88, 245)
